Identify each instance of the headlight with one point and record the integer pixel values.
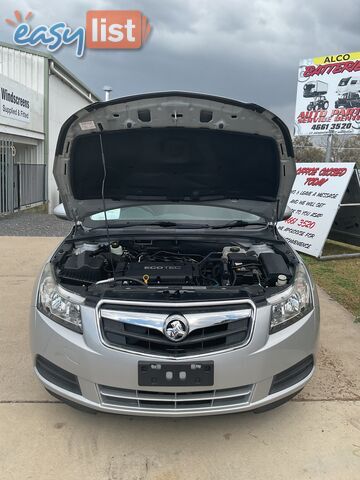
(57, 304)
(293, 304)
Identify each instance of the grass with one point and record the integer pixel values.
(340, 278)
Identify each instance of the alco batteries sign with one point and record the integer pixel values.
(328, 95)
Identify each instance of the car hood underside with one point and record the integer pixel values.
(174, 147)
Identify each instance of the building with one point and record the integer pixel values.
(37, 94)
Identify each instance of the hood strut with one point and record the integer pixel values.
(103, 196)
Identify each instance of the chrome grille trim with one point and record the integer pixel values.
(174, 306)
(156, 320)
(151, 400)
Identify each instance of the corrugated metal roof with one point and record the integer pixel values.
(34, 75)
(23, 68)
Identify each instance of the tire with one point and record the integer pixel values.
(326, 105)
(309, 107)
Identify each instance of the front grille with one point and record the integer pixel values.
(143, 399)
(54, 374)
(139, 335)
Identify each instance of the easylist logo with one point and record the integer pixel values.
(116, 29)
(105, 29)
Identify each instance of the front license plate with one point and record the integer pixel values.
(158, 374)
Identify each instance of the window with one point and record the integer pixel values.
(178, 213)
(344, 81)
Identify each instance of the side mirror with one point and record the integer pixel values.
(59, 212)
(287, 214)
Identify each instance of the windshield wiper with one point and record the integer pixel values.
(163, 224)
(238, 223)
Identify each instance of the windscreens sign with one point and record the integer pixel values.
(315, 199)
(20, 106)
(15, 104)
(328, 95)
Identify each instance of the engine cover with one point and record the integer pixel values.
(161, 272)
(83, 267)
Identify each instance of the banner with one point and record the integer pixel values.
(315, 199)
(328, 95)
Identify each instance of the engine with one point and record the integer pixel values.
(149, 265)
(155, 273)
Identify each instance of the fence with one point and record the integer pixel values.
(21, 184)
(29, 184)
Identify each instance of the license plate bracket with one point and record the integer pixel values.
(190, 374)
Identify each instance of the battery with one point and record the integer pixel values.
(274, 265)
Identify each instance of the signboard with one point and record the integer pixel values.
(315, 198)
(20, 106)
(15, 104)
(328, 95)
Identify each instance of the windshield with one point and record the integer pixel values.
(199, 214)
(344, 81)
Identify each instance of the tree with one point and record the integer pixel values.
(345, 148)
(306, 151)
(348, 149)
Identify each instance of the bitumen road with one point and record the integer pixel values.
(315, 436)
(24, 223)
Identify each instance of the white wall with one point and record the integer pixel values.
(63, 102)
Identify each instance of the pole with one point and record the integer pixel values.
(329, 148)
(107, 89)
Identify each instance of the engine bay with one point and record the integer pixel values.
(172, 263)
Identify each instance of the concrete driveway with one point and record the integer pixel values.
(315, 436)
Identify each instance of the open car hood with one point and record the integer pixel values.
(174, 147)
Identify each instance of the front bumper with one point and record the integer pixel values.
(108, 378)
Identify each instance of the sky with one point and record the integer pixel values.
(246, 50)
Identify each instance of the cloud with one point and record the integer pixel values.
(245, 50)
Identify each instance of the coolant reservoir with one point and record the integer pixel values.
(232, 249)
(116, 249)
(281, 281)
